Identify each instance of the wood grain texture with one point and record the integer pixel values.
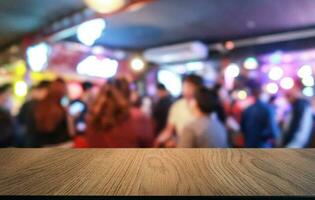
(157, 172)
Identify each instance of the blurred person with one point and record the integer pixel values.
(258, 123)
(37, 93)
(206, 130)
(161, 108)
(144, 103)
(7, 125)
(299, 123)
(78, 108)
(114, 123)
(180, 113)
(146, 106)
(50, 116)
(135, 99)
(220, 110)
(312, 145)
(26, 114)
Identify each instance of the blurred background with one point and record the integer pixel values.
(255, 57)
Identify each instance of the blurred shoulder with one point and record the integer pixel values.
(179, 103)
(136, 113)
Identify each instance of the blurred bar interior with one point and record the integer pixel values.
(256, 59)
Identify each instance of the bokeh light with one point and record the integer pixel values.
(275, 58)
(20, 89)
(272, 88)
(232, 70)
(275, 73)
(93, 66)
(287, 83)
(106, 6)
(171, 80)
(37, 56)
(251, 63)
(137, 64)
(308, 91)
(88, 32)
(242, 94)
(308, 81)
(304, 71)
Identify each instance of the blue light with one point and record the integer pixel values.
(276, 58)
(308, 91)
(250, 63)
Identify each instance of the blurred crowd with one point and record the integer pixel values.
(116, 116)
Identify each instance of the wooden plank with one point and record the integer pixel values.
(157, 172)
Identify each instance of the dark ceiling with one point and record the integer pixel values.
(167, 21)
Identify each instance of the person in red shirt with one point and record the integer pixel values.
(113, 123)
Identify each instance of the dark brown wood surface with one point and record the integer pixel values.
(157, 172)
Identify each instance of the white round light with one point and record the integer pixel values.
(275, 73)
(37, 56)
(272, 88)
(232, 70)
(308, 91)
(20, 88)
(242, 94)
(88, 32)
(137, 64)
(106, 6)
(171, 80)
(308, 81)
(287, 83)
(250, 63)
(304, 71)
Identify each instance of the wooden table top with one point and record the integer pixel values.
(157, 172)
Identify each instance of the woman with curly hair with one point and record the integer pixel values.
(113, 123)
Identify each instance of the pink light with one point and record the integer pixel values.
(74, 90)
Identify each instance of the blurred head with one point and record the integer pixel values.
(255, 88)
(294, 93)
(5, 96)
(205, 101)
(190, 84)
(86, 86)
(135, 98)
(111, 106)
(121, 84)
(40, 91)
(161, 90)
(49, 112)
(56, 90)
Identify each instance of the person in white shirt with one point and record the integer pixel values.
(299, 123)
(180, 113)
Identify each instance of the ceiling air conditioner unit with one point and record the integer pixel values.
(177, 53)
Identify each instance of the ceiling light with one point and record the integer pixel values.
(106, 6)
(137, 64)
(37, 56)
(93, 66)
(88, 32)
